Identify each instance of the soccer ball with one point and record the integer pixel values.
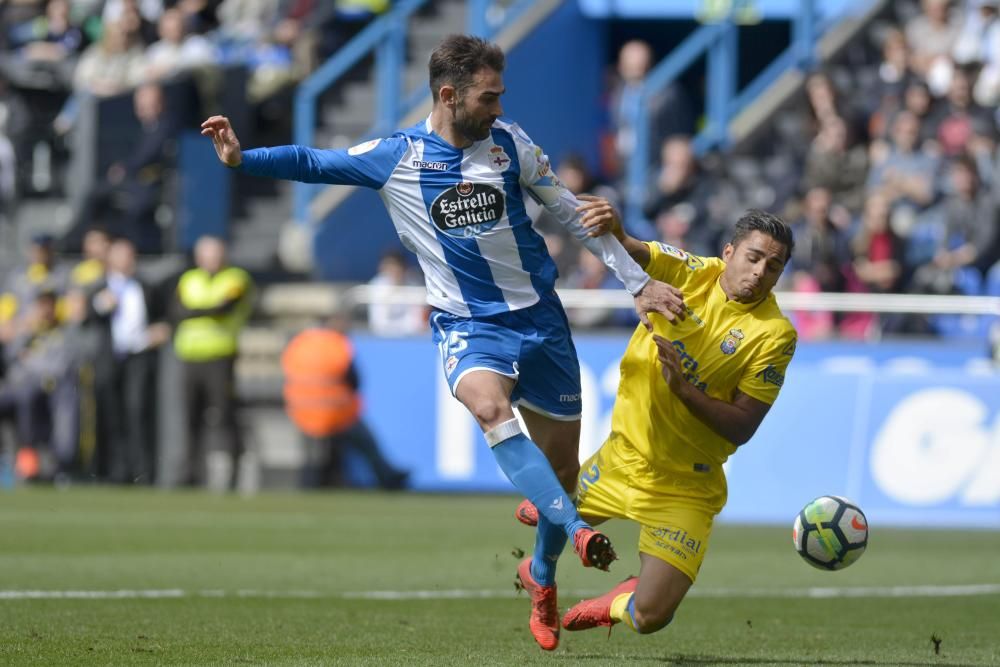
(830, 533)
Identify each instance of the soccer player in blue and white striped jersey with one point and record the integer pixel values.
(455, 185)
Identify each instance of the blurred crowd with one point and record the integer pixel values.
(887, 167)
(54, 54)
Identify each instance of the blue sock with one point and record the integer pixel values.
(529, 471)
(549, 542)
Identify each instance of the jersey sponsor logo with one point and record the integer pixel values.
(689, 365)
(789, 349)
(436, 166)
(771, 375)
(361, 149)
(677, 536)
(731, 341)
(498, 159)
(468, 209)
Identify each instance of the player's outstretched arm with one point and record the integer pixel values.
(736, 421)
(227, 146)
(598, 217)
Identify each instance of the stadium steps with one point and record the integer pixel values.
(348, 118)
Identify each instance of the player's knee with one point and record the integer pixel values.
(489, 412)
(653, 617)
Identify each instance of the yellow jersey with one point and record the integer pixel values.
(724, 346)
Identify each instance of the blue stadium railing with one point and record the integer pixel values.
(719, 43)
(386, 38)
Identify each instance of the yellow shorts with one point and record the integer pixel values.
(674, 528)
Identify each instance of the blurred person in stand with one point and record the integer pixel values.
(836, 163)
(680, 180)
(966, 237)
(134, 184)
(878, 265)
(211, 305)
(322, 399)
(23, 284)
(394, 319)
(137, 328)
(959, 123)
(670, 111)
(931, 35)
(177, 51)
(38, 391)
(902, 172)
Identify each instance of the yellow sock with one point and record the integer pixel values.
(621, 610)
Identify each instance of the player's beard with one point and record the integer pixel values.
(469, 127)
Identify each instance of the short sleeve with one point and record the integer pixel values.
(672, 265)
(765, 374)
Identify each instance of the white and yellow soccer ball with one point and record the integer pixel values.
(830, 533)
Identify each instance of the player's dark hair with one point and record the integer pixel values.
(457, 60)
(755, 220)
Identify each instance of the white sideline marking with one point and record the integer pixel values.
(471, 594)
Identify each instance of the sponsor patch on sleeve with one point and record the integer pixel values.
(363, 148)
(672, 251)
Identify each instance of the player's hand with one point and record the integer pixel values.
(670, 362)
(599, 217)
(657, 297)
(227, 146)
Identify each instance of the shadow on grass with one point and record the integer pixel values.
(705, 660)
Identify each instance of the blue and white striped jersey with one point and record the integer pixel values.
(461, 211)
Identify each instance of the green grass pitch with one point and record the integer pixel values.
(294, 579)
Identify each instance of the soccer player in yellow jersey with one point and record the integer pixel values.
(691, 392)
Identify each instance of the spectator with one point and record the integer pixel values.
(968, 232)
(140, 17)
(978, 44)
(394, 319)
(821, 245)
(211, 306)
(39, 389)
(137, 330)
(108, 67)
(836, 164)
(680, 181)
(931, 35)
(136, 182)
(669, 112)
(902, 172)
(23, 284)
(591, 273)
(959, 123)
(878, 252)
(98, 404)
(322, 400)
(51, 38)
(177, 51)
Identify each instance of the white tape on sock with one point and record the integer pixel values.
(502, 432)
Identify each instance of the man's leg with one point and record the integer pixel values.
(486, 395)
(559, 441)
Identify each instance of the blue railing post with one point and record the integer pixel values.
(389, 56)
(303, 132)
(722, 73)
(804, 33)
(477, 23)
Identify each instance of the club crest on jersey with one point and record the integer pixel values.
(731, 341)
(498, 159)
(468, 209)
